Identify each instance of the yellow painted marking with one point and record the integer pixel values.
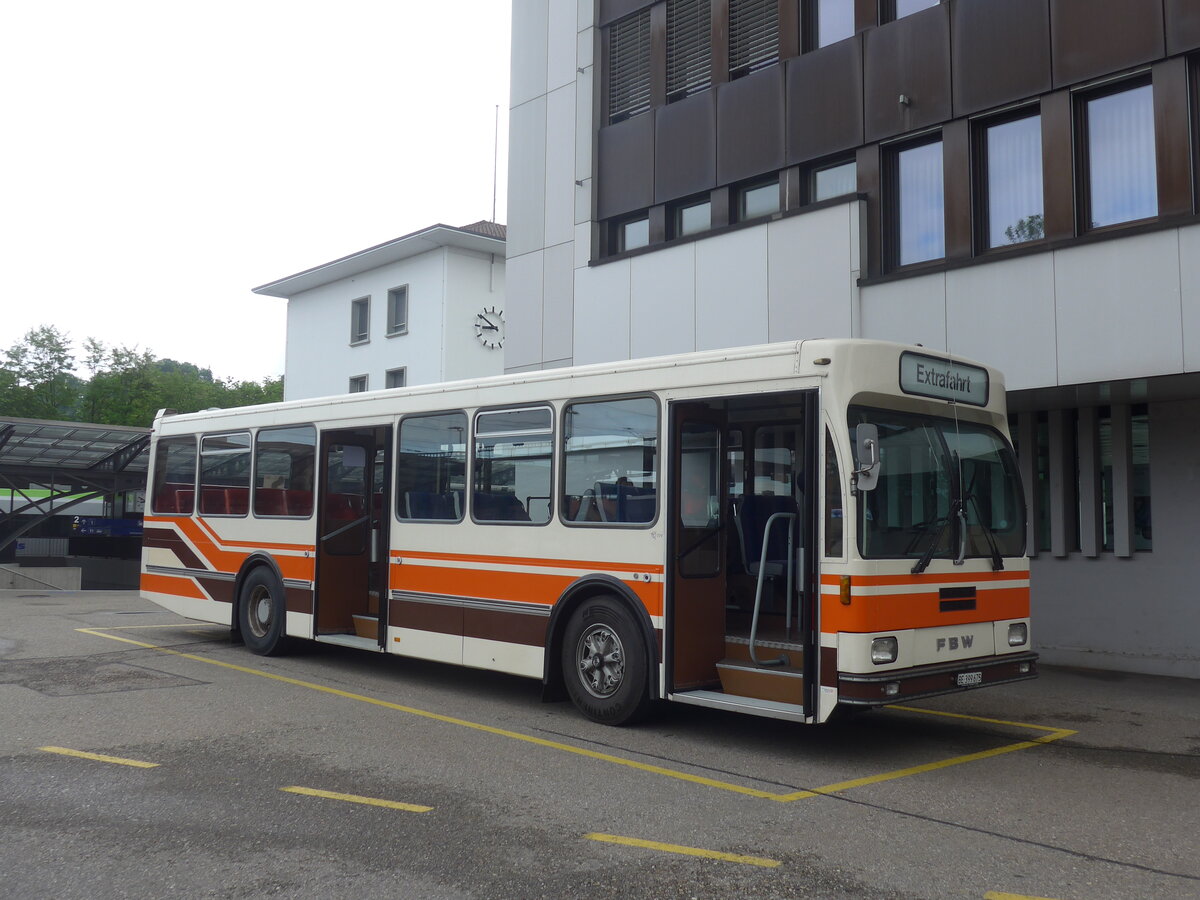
(99, 757)
(355, 798)
(685, 851)
(1055, 734)
(998, 895)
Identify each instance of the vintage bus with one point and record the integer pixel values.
(784, 530)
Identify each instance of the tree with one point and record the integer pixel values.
(39, 382)
(1031, 228)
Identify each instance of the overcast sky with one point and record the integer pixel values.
(160, 158)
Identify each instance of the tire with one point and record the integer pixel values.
(262, 613)
(605, 664)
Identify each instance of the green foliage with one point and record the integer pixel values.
(126, 386)
(1031, 228)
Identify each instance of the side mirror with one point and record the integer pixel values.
(866, 450)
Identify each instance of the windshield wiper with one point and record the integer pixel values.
(923, 563)
(997, 560)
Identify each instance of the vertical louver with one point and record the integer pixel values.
(629, 67)
(753, 35)
(689, 51)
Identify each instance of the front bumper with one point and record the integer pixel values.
(930, 681)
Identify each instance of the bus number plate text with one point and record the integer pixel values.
(969, 679)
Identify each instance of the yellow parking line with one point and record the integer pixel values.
(998, 895)
(355, 798)
(99, 757)
(685, 851)
(1055, 734)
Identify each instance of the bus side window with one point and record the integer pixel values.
(834, 508)
(610, 462)
(284, 462)
(431, 467)
(174, 476)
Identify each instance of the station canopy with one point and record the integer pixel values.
(68, 462)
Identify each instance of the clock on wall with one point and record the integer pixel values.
(489, 327)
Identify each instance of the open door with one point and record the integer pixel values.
(352, 535)
(698, 545)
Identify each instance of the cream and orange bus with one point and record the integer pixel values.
(782, 530)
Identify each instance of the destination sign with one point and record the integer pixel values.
(943, 379)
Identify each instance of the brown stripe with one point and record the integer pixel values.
(299, 600)
(829, 670)
(219, 589)
(169, 539)
(509, 627)
(425, 617)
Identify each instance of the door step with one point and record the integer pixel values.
(367, 627)
(743, 678)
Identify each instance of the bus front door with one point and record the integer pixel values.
(352, 533)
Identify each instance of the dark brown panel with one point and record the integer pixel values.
(658, 224)
(425, 617)
(870, 183)
(1096, 37)
(1183, 25)
(829, 671)
(750, 125)
(625, 166)
(611, 10)
(658, 54)
(219, 589)
(825, 101)
(1057, 169)
(866, 14)
(909, 57)
(299, 600)
(169, 539)
(1172, 144)
(789, 28)
(721, 212)
(512, 628)
(685, 147)
(956, 169)
(1001, 52)
(720, 41)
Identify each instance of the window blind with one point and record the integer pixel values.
(689, 50)
(629, 66)
(753, 35)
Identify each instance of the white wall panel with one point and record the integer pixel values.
(602, 313)
(587, 13)
(530, 24)
(560, 166)
(1003, 314)
(583, 123)
(912, 311)
(812, 273)
(527, 177)
(1189, 274)
(523, 312)
(731, 289)
(1118, 309)
(558, 301)
(663, 302)
(583, 244)
(562, 29)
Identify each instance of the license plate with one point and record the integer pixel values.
(969, 679)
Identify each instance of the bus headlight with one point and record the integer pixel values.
(883, 650)
(1018, 634)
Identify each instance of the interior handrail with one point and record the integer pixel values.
(762, 574)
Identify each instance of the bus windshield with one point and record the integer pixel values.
(945, 488)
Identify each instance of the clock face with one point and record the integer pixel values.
(489, 327)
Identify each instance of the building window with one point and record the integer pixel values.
(360, 320)
(358, 384)
(757, 200)
(629, 67)
(1013, 181)
(753, 35)
(689, 47)
(396, 378)
(1138, 443)
(834, 22)
(397, 318)
(691, 217)
(1120, 162)
(836, 180)
(920, 206)
(630, 234)
(902, 8)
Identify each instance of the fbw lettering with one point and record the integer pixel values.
(953, 643)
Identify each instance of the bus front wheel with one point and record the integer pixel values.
(262, 613)
(604, 663)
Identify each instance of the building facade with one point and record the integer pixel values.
(423, 308)
(1013, 182)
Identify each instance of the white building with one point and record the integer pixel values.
(422, 308)
(690, 175)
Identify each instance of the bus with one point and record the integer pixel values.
(786, 530)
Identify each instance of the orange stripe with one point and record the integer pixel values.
(177, 586)
(588, 565)
(897, 612)
(524, 587)
(230, 561)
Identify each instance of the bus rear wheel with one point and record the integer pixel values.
(262, 613)
(605, 664)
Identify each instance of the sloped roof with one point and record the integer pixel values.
(484, 237)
